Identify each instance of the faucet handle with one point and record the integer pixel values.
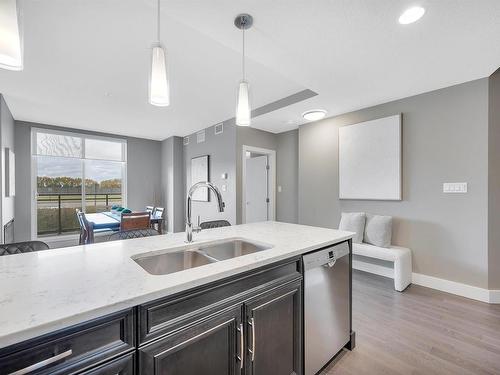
(197, 229)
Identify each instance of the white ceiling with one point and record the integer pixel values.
(87, 61)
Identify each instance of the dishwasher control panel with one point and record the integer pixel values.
(327, 256)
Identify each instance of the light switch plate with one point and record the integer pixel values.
(455, 187)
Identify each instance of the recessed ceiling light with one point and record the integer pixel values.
(411, 15)
(314, 115)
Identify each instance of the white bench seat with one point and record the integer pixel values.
(400, 256)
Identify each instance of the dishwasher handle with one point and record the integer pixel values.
(326, 257)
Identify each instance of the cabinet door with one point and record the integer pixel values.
(209, 347)
(274, 340)
(121, 366)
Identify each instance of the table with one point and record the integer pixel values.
(104, 220)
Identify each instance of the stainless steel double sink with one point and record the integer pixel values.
(196, 256)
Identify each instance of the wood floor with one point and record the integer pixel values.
(419, 331)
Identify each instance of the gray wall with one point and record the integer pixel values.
(221, 150)
(172, 182)
(494, 182)
(7, 140)
(143, 173)
(287, 176)
(249, 137)
(445, 137)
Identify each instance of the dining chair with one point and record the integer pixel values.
(134, 233)
(22, 247)
(86, 229)
(135, 220)
(150, 209)
(214, 224)
(158, 218)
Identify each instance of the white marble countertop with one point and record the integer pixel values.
(44, 291)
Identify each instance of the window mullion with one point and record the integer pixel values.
(84, 207)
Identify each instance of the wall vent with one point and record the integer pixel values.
(200, 136)
(186, 141)
(219, 128)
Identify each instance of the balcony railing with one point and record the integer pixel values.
(56, 212)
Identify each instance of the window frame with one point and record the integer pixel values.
(34, 170)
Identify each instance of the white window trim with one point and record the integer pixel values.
(83, 136)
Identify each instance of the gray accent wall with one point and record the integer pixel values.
(287, 176)
(143, 173)
(221, 151)
(445, 138)
(172, 182)
(7, 141)
(494, 182)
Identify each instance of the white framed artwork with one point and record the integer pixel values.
(370, 160)
(199, 173)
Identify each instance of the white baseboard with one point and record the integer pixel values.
(494, 296)
(464, 290)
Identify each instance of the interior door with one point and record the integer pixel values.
(256, 189)
(211, 347)
(274, 338)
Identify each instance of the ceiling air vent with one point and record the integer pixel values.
(200, 136)
(186, 141)
(219, 128)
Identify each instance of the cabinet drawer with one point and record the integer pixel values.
(121, 366)
(73, 349)
(174, 312)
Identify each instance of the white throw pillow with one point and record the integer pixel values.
(378, 230)
(353, 222)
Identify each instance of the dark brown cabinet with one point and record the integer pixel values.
(209, 347)
(122, 366)
(274, 332)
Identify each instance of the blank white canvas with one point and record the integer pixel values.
(370, 160)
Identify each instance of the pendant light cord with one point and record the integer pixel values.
(243, 54)
(158, 22)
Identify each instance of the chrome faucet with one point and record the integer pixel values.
(189, 224)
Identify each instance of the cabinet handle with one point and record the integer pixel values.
(242, 346)
(252, 351)
(43, 363)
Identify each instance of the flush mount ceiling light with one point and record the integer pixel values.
(411, 15)
(314, 115)
(11, 43)
(243, 109)
(159, 88)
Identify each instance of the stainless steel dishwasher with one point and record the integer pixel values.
(327, 315)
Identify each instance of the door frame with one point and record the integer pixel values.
(271, 154)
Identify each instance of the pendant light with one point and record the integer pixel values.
(243, 110)
(159, 88)
(11, 43)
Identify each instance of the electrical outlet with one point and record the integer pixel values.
(455, 187)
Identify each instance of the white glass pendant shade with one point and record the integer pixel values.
(159, 89)
(243, 105)
(11, 51)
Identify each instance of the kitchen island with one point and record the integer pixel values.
(98, 294)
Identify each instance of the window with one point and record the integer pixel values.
(61, 162)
